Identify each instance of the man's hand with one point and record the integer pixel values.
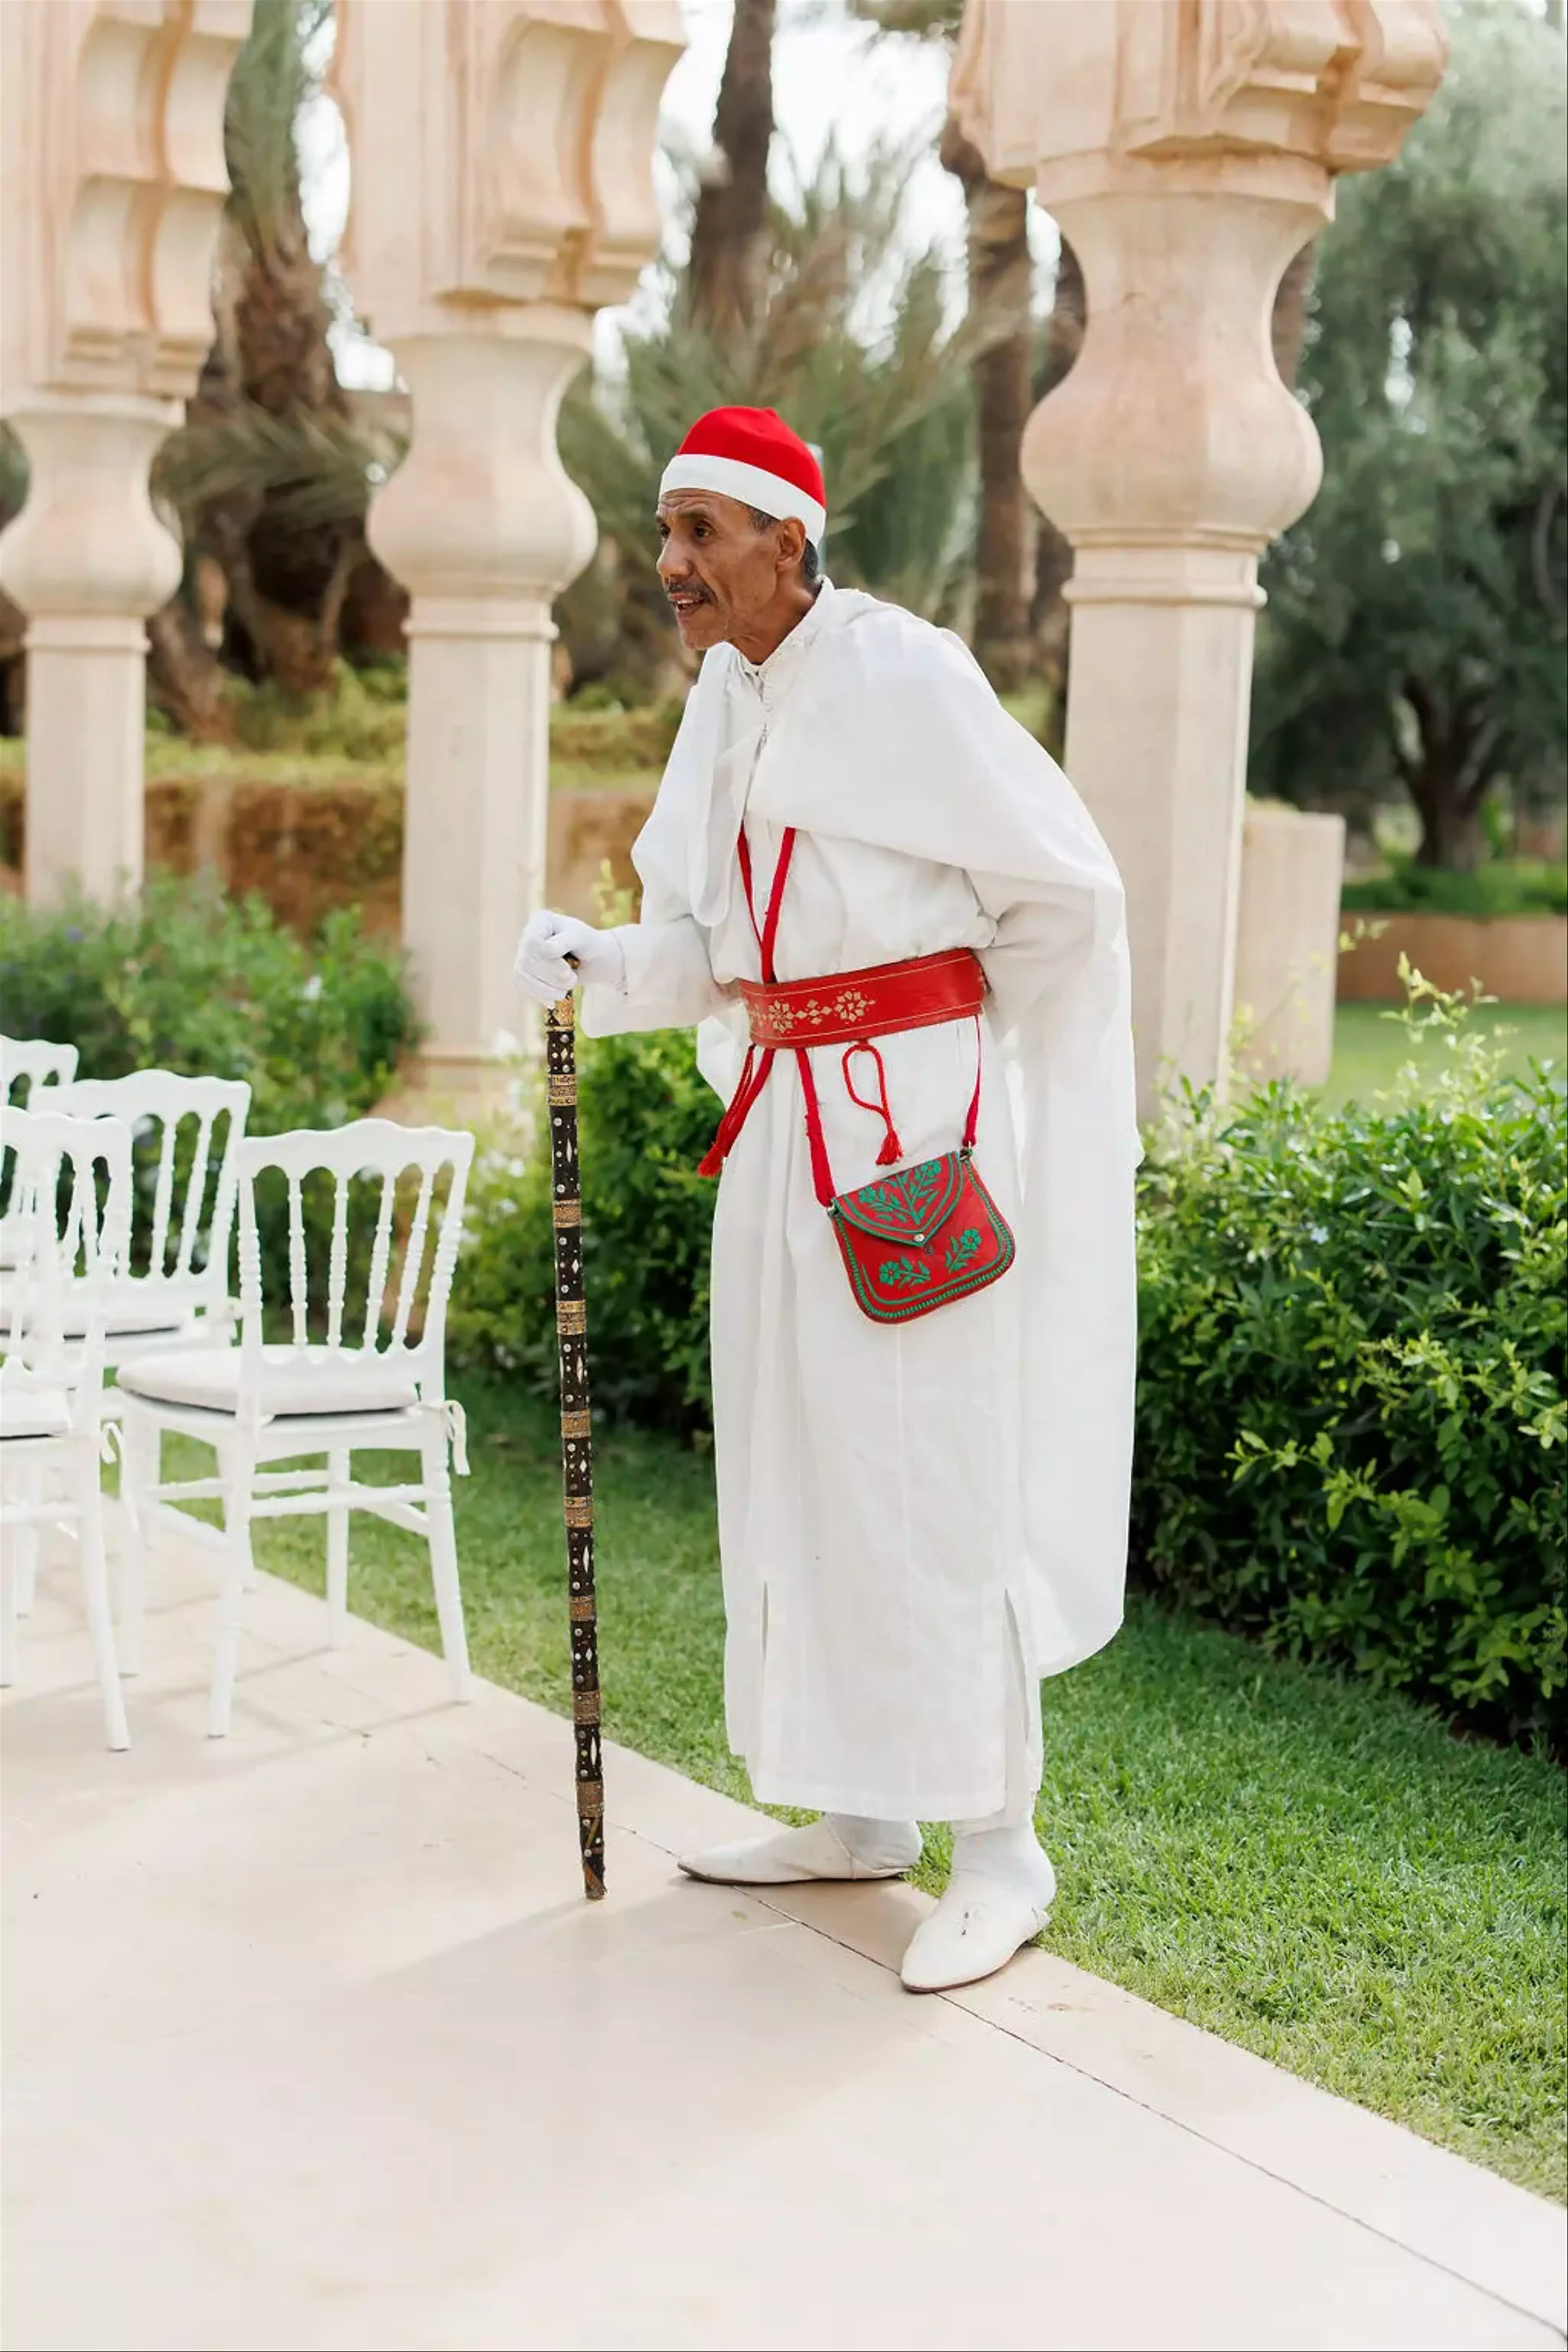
(541, 971)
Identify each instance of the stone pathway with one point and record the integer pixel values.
(311, 2042)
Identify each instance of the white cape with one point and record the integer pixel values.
(879, 738)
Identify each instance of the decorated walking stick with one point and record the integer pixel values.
(576, 1435)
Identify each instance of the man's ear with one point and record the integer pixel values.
(791, 545)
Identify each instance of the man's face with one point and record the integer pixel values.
(722, 574)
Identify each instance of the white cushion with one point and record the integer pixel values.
(33, 1413)
(293, 1380)
(128, 1322)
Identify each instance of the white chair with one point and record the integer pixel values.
(70, 1250)
(257, 1401)
(174, 1289)
(39, 1061)
(35, 1063)
(181, 1245)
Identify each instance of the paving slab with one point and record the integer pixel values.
(311, 2041)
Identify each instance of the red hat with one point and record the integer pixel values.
(751, 454)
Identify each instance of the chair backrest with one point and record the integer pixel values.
(73, 1231)
(37, 1062)
(184, 1243)
(405, 1302)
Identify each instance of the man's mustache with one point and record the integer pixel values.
(697, 595)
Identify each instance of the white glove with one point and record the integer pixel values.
(540, 970)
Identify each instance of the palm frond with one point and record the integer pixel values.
(853, 343)
(313, 469)
(273, 75)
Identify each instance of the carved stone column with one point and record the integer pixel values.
(111, 183)
(502, 155)
(1188, 149)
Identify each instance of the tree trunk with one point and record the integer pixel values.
(374, 611)
(185, 677)
(291, 590)
(1288, 327)
(1000, 283)
(1449, 778)
(729, 231)
(1451, 826)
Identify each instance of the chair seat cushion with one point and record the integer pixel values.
(30, 1412)
(131, 1321)
(294, 1381)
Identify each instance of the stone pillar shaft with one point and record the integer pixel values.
(482, 525)
(1159, 688)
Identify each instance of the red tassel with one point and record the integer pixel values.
(713, 1161)
(891, 1147)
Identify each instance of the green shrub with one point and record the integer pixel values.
(184, 979)
(597, 735)
(1350, 1415)
(1506, 886)
(647, 1118)
(364, 718)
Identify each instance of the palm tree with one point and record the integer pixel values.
(846, 337)
(728, 228)
(1000, 291)
(271, 474)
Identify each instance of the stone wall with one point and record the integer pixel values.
(1519, 959)
(307, 848)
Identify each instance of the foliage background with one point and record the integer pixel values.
(1415, 638)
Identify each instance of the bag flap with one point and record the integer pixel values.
(911, 1206)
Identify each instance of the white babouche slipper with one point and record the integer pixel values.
(974, 1930)
(788, 1856)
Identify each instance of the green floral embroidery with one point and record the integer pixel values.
(904, 1272)
(908, 1197)
(962, 1249)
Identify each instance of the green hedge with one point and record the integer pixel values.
(1506, 886)
(1350, 1415)
(184, 979)
(646, 1118)
(1351, 1418)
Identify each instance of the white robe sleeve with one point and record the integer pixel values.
(1041, 938)
(670, 981)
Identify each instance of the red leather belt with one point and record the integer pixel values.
(848, 1006)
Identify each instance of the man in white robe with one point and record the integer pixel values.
(916, 1522)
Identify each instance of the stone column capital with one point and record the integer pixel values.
(1267, 97)
(502, 155)
(113, 181)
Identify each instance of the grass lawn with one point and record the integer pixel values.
(1317, 1873)
(1369, 1049)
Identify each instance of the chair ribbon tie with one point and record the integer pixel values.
(457, 1424)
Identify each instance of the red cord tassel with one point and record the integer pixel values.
(891, 1147)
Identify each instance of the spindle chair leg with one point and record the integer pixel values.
(140, 1460)
(88, 1500)
(441, 1529)
(239, 1573)
(339, 1477)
